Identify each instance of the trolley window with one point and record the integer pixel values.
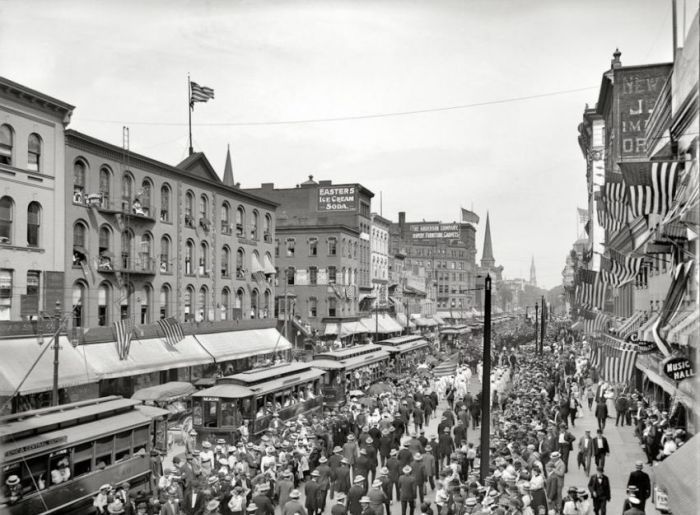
(82, 459)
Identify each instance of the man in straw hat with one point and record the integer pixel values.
(357, 491)
(293, 505)
(407, 490)
(339, 506)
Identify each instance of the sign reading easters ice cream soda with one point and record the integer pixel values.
(340, 197)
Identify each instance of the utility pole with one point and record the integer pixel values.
(286, 304)
(486, 384)
(537, 324)
(376, 320)
(56, 349)
(544, 314)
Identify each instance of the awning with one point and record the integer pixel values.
(267, 264)
(630, 325)
(439, 320)
(678, 475)
(645, 331)
(145, 356)
(425, 322)
(165, 392)
(366, 296)
(401, 319)
(383, 324)
(685, 329)
(255, 266)
(346, 329)
(232, 345)
(73, 368)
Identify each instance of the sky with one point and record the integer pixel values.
(522, 72)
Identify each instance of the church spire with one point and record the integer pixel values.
(533, 277)
(228, 169)
(487, 259)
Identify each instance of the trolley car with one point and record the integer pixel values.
(350, 369)
(55, 459)
(407, 352)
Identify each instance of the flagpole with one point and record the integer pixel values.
(189, 110)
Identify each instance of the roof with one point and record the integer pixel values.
(257, 375)
(225, 346)
(237, 391)
(198, 164)
(165, 392)
(23, 92)
(487, 253)
(348, 352)
(398, 340)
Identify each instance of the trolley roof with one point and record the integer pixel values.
(227, 390)
(261, 375)
(351, 363)
(398, 340)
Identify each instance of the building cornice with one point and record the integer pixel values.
(33, 98)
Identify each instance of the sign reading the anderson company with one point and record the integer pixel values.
(678, 368)
(434, 231)
(341, 197)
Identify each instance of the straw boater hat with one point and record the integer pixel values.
(364, 500)
(341, 498)
(115, 507)
(13, 480)
(212, 505)
(252, 507)
(315, 473)
(359, 479)
(406, 470)
(206, 444)
(376, 483)
(295, 494)
(555, 454)
(322, 459)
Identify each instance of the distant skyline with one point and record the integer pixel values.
(532, 65)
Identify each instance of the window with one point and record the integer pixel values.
(146, 304)
(354, 253)
(34, 152)
(165, 203)
(6, 142)
(78, 301)
(239, 299)
(189, 257)
(165, 254)
(240, 259)
(290, 276)
(313, 247)
(290, 247)
(5, 294)
(240, 218)
(145, 252)
(105, 186)
(6, 214)
(164, 301)
(313, 275)
(267, 230)
(79, 243)
(78, 182)
(102, 305)
(33, 221)
(202, 308)
(145, 197)
(225, 261)
(33, 277)
(332, 246)
(203, 259)
(126, 250)
(189, 207)
(127, 191)
(203, 207)
(254, 304)
(332, 272)
(225, 221)
(331, 307)
(254, 226)
(313, 307)
(187, 302)
(277, 248)
(125, 301)
(225, 303)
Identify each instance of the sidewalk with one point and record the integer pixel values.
(624, 452)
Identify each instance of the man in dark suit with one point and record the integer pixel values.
(339, 507)
(194, 501)
(600, 449)
(601, 413)
(407, 491)
(355, 494)
(445, 446)
(262, 501)
(599, 486)
(640, 479)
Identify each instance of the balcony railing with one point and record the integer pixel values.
(126, 265)
(130, 209)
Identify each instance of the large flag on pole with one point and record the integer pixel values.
(199, 93)
(124, 330)
(469, 217)
(172, 330)
(651, 185)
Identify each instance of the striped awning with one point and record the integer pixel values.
(685, 329)
(645, 331)
(630, 325)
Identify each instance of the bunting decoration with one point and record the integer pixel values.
(651, 186)
(124, 330)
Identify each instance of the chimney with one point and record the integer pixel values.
(402, 223)
(616, 63)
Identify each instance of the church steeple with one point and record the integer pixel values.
(487, 259)
(228, 169)
(533, 277)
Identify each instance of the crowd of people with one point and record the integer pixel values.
(372, 453)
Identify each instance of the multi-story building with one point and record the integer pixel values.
(323, 249)
(447, 252)
(147, 240)
(32, 215)
(379, 245)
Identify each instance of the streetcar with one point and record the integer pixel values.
(349, 369)
(54, 460)
(250, 400)
(407, 352)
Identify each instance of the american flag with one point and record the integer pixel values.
(651, 185)
(617, 269)
(199, 93)
(590, 291)
(616, 201)
(172, 330)
(124, 330)
(673, 299)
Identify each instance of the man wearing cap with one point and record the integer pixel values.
(283, 487)
(407, 490)
(342, 481)
(446, 447)
(641, 480)
(599, 486)
(357, 491)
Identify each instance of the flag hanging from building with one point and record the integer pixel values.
(172, 330)
(673, 299)
(617, 269)
(199, 94)
(124, 330)
(469, 217)
(651, 185)
(590, 291)
(615, 197)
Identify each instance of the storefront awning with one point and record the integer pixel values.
(232, 345)
(630, 325)
(678, 475)
(343, 329)
(255, 266)
(645, 331)
(686, 329)
(383, 324)
(439, 320)
(73, 368)
(402, 320)
(145, 356)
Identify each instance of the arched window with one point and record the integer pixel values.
(105, 186)
(267, 230)
(189, 257)
(225, 303)
(103, 305)
(145, 249)
(240, 260)
(187, 302)
(225, 218)
(267, 309)
(79, 169)
(6, 144)
(145, 196)
(6, 215)
(146, 299)
(127, 189)
(225, 261)
(165, 203)
(127, 242)
(79, 243)
(164, 301)
(239, 302)
(240, 220)
(203, 207)
(204, 258)
(254, 297)
(254, 226)
(165, 254)
(202, 305)
(189, 208)
(105, 248)
(34, 152)
(78, 304)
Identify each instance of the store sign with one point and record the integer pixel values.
(342, 197)
(434, 231)
(678, 368)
